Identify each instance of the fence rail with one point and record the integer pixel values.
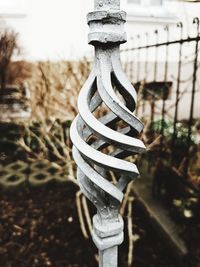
(179, 41)
(158, 70)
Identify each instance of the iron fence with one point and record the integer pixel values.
(165, 74)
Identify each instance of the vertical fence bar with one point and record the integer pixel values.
(146, 57)
(131, 66)
(138, 58)
(174, 136)
(129, 61)
(156, 57)
(145, 70)
(138, 70)
(197, 22)
(165, 80)
(155, 77)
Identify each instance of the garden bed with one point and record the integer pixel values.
(39, 227)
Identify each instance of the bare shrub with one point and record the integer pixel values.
(8, 46)
(18, 72)
(55, 86)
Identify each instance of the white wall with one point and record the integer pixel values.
(57, 29)
(51, 29)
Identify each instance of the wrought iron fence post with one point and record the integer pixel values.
(180, 63)
(90, 133)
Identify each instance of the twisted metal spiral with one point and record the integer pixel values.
(102, 143)
(103, 85)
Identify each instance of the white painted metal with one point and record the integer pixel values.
(107, 77)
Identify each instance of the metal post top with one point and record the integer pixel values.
(106, 4)
(106, 23)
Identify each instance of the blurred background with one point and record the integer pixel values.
(44, 61)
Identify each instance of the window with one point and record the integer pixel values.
(156, 2)
(134, 1)
(146, 2)
(150, 10)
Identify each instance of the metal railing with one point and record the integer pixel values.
(158, 69)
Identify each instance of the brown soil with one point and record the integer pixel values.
(39, 227)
